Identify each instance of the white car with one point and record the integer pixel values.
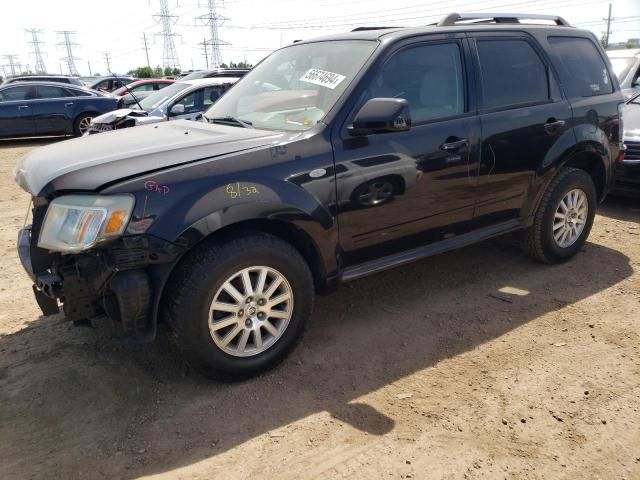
(179, 101)
(626, 66)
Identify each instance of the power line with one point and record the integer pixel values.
(213, 20)
(67, 43)
(166, 20)
(35, 43)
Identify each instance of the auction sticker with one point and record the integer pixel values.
(323, 78)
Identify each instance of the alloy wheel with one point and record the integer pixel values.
(570, 218)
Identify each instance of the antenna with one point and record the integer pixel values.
(213, 20)
(35, 43)
(13, 64)
(67, 43)
(166, 20)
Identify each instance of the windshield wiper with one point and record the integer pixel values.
(230, 120)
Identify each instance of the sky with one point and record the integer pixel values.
(252, 28)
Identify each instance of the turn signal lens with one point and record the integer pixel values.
(115, 223)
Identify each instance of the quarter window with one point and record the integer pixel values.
(583, 69)
(429, 77)
(512, 74)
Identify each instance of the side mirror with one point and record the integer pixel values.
(177, 109)
(382, 115)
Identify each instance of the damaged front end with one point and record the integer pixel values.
(122, 118)
(113, 279)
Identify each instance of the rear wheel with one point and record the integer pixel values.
(239, 308)
(564, 218)
(82, 123)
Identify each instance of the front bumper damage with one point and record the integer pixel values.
(116, 281)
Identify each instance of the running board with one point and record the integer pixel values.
(402, 258)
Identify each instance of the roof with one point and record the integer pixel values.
(51, 84)
(210, 81)
(625, 52)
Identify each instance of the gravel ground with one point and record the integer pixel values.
(474, 364)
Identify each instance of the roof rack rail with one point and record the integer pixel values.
(364, 29)
(454, 18)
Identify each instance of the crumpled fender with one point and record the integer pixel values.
(117, 115)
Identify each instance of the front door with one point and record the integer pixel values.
(404, 189)
(16, 111)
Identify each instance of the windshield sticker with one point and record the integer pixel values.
(323, 78)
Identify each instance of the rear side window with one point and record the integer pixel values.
(584, 72)
(512, 74)
(48, 91)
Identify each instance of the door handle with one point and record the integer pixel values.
(552, 125)
(68, 104)
(454, 145)
(23, 107)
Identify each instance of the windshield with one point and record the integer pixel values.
(293, 88)
(154, 100)
(621, 66)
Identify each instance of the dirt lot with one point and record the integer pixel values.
(473, 364)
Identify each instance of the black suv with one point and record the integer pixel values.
(333, 159)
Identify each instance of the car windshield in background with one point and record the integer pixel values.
(294, 88)
(621, 66)
(154, 100)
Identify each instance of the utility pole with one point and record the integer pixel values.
(89, 65)
(146, 49)
(166, 20)
(213, 21)
(204, 44)
(35, 43)
(107, 60)
(67, 43)
(608, 32)
(12, 63)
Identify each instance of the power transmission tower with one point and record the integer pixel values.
(35, 43)
(146, 49)
(12, 64)
(166, 20)
(205, 51)
(107, 60)
(213, 21)
(67, 43)
(608, 32)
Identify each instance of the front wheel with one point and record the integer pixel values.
(564, 217)
(239, 308)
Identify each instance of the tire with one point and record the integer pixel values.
(551, 239)
(80, 122)
(203, 276)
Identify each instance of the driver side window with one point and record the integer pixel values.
(429, 77)
(192, 102)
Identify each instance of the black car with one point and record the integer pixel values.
(44, 108)
(109, 84)
(333, 159)
(46, 78)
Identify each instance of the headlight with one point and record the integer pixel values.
(77, 222)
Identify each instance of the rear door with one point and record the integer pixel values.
(522, 115)
(54, 108)
(16, 111)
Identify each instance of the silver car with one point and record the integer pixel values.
(626, 65)
(179, 101)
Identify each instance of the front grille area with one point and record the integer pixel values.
(633, 151)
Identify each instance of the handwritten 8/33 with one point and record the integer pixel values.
(236, 190)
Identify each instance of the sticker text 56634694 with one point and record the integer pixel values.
(323, 78)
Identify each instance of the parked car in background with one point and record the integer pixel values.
(48, 108)
(180, 101)
(133, 92)
(217, 72)
(626, 65)
(46, 78)
(109, 84)
(628, 171)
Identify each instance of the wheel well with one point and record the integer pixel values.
(288, 232)
(592, 164)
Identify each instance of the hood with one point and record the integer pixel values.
(116, 115)
(87, 163)
(631, 120)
